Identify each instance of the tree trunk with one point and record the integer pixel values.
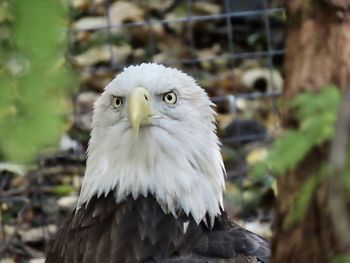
(317, 54)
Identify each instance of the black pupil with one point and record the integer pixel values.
(169, 97)
(117, 101)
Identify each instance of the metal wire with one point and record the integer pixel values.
(232, 56)
(151, 45)
(267, 26)
(109, 34)
(190, 28)
(185, 19)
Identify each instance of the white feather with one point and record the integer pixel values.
(185, 226)
(177, 159)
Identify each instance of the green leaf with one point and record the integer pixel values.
(317, 115)
(33, 79)
(310, 104)
(288, 151)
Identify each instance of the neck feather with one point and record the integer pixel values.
(183, 174)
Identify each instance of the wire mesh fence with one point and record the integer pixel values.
(233, 48)
(208, 39)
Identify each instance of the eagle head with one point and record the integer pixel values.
(153, 133)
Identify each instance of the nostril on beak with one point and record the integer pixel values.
(138, 108)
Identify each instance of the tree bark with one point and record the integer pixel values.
(317, 54)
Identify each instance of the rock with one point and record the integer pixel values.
(96, 79)
(139, 54)
(69, 144)
(262, 80)
(80, 4)
(9, 230)
(177, 28)
(102, 54)
(157, 5)
(83, 110)
(241, 104)
(206, 56)
(86, 4)
(90, 23)
(37, 260)
(177, 51)
(13, 168)
(262, 229)
(37, 234)
(67, 202)
(206, 8)
(226, 81)
(121, 12)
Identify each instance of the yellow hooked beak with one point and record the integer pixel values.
(139, 108)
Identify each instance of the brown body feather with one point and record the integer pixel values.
(136, 231)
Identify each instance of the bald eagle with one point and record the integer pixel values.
(154, 181)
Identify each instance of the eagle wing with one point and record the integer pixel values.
(229, 240)
(139, 231)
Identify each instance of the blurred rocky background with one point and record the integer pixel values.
(234, 49)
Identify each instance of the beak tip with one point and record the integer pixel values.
(136, 133)
(135, 128)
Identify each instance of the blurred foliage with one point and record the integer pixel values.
(33, 76)
(316, 114)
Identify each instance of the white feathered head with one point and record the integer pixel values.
(154, 133)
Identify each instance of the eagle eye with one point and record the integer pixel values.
(170, 97)
(117, 101)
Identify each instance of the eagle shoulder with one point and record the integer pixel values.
(136, 231)
(228, 240)
(132, 231)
